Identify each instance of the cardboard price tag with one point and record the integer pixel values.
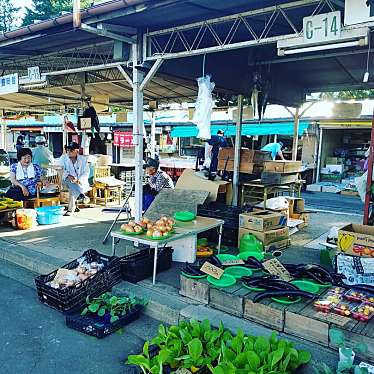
(212, 270)
(233, 262)
(274, 267)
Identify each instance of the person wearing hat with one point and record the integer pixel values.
(216, 142)
(157, 181)
(75, 176)
(41, 155)
(275, 149)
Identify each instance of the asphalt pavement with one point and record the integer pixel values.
(35, 340)
(333, 202)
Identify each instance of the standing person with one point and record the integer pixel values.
(41, 155)
(157, 181)
(20, 142)
(216, 142)
(25, 177)
(275, 149)
(75, 176)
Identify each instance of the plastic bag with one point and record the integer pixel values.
(361, 185)
(203, 107)
(276, 203)
(207, 162)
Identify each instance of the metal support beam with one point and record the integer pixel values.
(319, 153)
(295, 142)
(151, 73)
(107, 34)
(369, 180)
(138, 125)
(125, 75)
(238, 138)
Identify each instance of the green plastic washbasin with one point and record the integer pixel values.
(238, 271)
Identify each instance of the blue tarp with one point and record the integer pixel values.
(249, 129)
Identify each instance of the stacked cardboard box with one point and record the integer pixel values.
(296, 210)
(251, 161)
(281, 172)
(267, 226)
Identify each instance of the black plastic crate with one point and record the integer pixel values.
(98, 327)
(73, 298)
(139, 266)
(229, 236)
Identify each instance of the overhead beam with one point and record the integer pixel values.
(151, 73)
(107, 34)
(116, 28)
(125, 75)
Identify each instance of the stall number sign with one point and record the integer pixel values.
(233, 262)
(212, 270)
(274, 267)
(33, 74)
(322, 27)
(8, 84)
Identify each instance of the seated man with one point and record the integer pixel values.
(75, 176)
(156, 182)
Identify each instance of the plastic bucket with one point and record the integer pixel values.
(49, 215)
(26, 219)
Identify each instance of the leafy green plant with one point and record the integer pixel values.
(193, 345)
(345, 364)
(108, 304)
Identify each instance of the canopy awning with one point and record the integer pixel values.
(249, 129)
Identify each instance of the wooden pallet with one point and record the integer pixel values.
(300, 319)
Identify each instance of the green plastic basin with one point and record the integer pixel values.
(225, 281)
(238, 271)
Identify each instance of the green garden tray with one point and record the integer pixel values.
(184, 216)
(226, 257)
(132, 233)
(319, 285)
(158, 237)
(253, 288)
(305, 285)
(244, 255)
(238, 271)
(285, 300)
(225, 281)
(194, 276)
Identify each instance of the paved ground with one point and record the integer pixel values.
(333, 202)
(35, 340)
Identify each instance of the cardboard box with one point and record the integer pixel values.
(246, 155)
(334, 160)
(263, 220)
(296, 205)
(266, 237)
(283, 166)
(334, 169)
(281, 244)
(314, 187)
(356, 240)
(244, 167)
(268, 177)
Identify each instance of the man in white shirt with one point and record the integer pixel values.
(75, 176)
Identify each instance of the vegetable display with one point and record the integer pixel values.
(195, 346)
(108, 306)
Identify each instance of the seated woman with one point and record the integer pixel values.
(25, 177)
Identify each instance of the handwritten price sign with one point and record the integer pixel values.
(274, 267)
(212, 270)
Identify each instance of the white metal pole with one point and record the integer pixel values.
(3, 133)
(238, 137)
(295, 142)
(153, 135)
(138, 132)
(319, 154)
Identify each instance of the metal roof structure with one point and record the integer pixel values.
(237, 37)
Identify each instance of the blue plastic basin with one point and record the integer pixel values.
(49, 215)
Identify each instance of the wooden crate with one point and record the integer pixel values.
(229, 300)
(269, 177)
(283, 166)
(244, 167)
(196, 289)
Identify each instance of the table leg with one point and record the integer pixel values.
(265, 196)
(219, 239)
(155, 264)
(113, 246)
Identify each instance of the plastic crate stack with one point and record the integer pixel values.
(128, 176)
(227, 213)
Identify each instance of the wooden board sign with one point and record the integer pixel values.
(232, 262)
(212, 270)
(274, 267)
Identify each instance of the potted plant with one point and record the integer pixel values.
(105, 314)
(346, 354)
